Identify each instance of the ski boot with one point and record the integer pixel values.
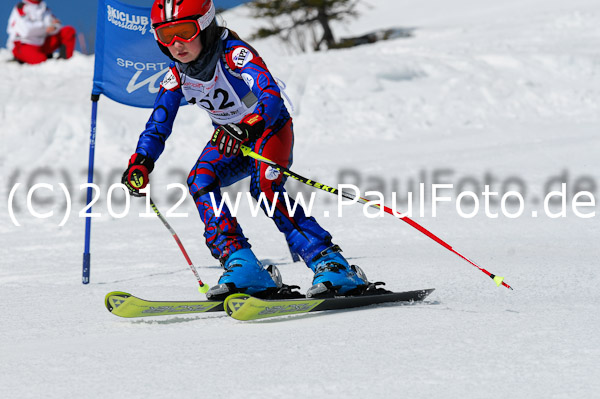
(334, 276)
(244, 273)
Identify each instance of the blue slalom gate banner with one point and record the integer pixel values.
(129, 66)
(128, 69)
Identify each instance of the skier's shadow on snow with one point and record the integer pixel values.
(292, 317)
(178, 320)
(288, 318)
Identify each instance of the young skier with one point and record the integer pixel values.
(34, 33)
(223, 75)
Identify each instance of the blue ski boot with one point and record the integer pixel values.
(244, 273)
(334, 276)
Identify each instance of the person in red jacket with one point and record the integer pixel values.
(34, 33)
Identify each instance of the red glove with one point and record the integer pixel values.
(229, 137)
(135, 176)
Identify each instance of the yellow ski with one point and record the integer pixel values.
(245, 307)
(126, 305)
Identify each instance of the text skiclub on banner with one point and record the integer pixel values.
(129, 66)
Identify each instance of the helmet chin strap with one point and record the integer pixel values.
(165, 51)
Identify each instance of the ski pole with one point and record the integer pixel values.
(248, 152)
(203, 288)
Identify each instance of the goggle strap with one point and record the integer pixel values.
(207, 18)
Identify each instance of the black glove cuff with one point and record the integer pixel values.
(254, 125)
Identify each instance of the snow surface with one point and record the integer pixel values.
(509, 90)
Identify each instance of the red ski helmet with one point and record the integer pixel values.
(164, 11)
(201, 12)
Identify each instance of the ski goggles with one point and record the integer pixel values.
(186, 31)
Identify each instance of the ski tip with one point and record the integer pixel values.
(234, 301)
(107, 298)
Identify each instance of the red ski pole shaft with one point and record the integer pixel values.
(248, 152)
(498, 280)
(202, 287)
